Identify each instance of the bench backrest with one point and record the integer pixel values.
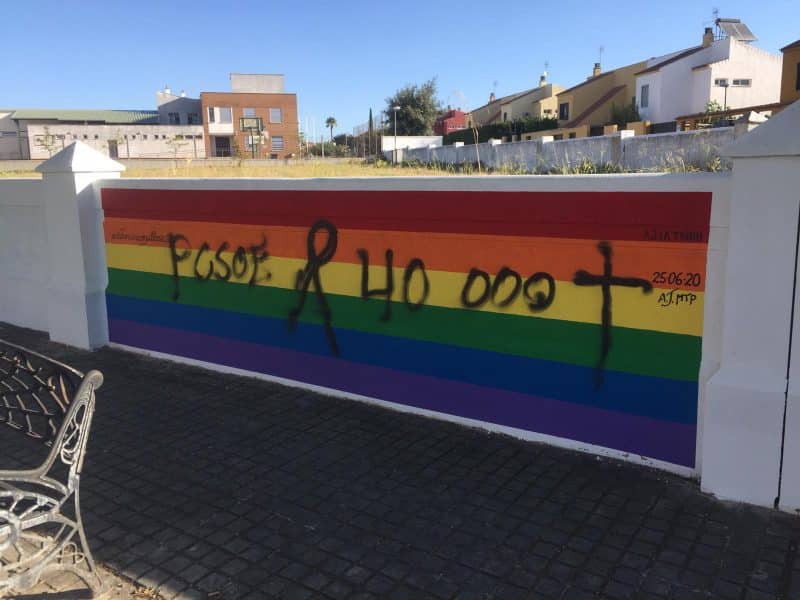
(48, 401)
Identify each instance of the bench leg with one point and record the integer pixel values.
(94, 581)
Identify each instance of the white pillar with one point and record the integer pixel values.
(745, 400)
(76, 308)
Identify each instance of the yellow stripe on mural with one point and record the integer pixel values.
(661, 310)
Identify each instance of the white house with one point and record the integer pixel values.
(726, 68)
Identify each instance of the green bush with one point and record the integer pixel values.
(499, 130)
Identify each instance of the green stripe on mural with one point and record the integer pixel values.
(637, 351)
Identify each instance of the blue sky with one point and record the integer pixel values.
(341, 58)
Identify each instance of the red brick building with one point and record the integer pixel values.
(259, 103)
(452, 120)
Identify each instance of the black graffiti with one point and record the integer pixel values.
(387, 291)
(218, 267)
(499, 279)
(414, 265)
(605, 281)
(239, 262)
(539, 301)
(258, 253)
(221, 260)
(492, 290)
(311, 274)
(466, 291)
(176, 258)
(197, 274)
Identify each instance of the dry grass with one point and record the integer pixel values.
(292, 170)
(279, 169)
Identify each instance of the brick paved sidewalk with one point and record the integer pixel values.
(201, 485)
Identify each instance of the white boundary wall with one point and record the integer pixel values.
(658, 152)
(51, 251)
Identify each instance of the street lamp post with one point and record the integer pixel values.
(394, 152)
(725, 97)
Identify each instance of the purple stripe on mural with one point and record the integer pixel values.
(662, 440)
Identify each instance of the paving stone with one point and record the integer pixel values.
(198, 482)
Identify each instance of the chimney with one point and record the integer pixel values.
(167, 90)
(596, 71)
(543, 79)
(183, 93)
(491, 97)
(708, 37)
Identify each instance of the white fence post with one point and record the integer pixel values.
(76, 309)
(746, 399)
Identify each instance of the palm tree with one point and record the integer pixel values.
(331, 123)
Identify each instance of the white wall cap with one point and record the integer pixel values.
(777, 137)
(80, 158)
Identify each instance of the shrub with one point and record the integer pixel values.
(499, 130)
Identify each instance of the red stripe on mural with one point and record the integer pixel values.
(656, 216)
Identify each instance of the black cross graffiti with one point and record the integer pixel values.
(605, 281)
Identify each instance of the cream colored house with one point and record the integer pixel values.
(590, 102)
(539, 102)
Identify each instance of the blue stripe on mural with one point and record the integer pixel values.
(663, 440)
(652, 397)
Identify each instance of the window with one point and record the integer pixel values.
(277, 142)
(572, 135)
(249, 112)
(273, 157)
(721, 82)
(275, 115)
(192, 119)
(174, 118)
(505, 117)
(742, 82)
(178, 137)
(563, 111)
(210, 114)
(644, 96)
(144, 136)
(558, 136)
(225, 114)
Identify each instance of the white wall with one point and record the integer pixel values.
(660, 152)
(684, 90)
(160, 142)
(747, 62)
(410, 141)
(23, 254)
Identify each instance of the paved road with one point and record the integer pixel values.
(210, 486)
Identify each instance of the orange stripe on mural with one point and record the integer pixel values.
(684, 263)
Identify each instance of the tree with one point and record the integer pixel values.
(371, 133)
(628, 113)
(419, 108)
(330, 122)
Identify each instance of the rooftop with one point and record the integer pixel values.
(117, 117)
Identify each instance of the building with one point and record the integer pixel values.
(591, 103)
(452, 120)
(40, 133)
(257, 117)
(725, 69)
(539, 102)
(790, 74)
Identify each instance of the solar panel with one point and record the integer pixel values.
(735, 29)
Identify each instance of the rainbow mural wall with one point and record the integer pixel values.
(577, 315)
